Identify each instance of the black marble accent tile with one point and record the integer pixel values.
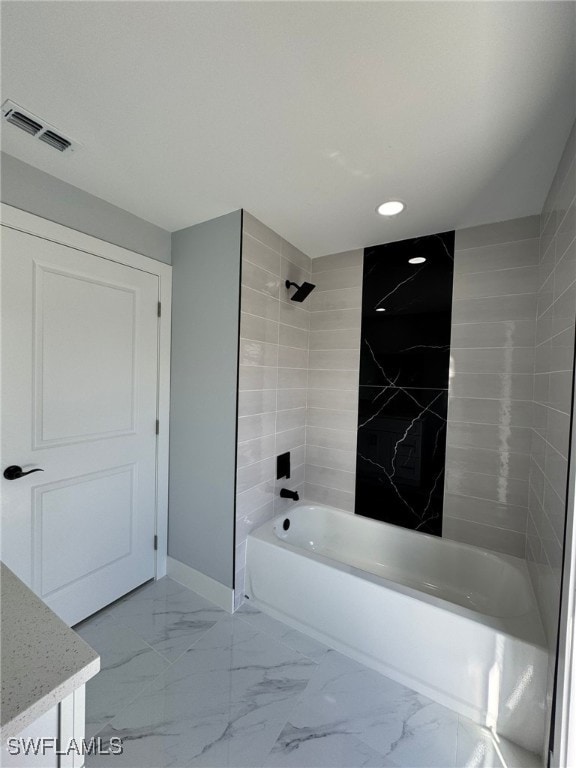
(408, 342)
(401, 456)
(404, 369)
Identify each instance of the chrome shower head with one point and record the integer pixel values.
(302, 292)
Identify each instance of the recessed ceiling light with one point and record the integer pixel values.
(390, 208)
(417, 260)
(380, 309)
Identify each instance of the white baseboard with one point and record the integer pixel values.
(203, 585)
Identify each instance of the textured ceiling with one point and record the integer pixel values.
(307, 114)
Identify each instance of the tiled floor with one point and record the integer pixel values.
(183, 683)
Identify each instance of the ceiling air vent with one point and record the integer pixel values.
(56, 141)
(23, 122)
(36, 127)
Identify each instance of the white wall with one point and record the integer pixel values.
(553, 371)
(332, 413)
(272, 380)
(491, 382)
(205, 320)
(29, 189)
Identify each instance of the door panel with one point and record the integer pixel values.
(99, 508)
(73, 349)
(79, 386)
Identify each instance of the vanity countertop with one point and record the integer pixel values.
(42, 659)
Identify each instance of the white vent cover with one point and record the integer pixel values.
(34, 126)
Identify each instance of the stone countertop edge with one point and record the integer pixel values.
(42, 660)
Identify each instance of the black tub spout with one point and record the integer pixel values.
(286, 494)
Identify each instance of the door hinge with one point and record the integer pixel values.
(159, 309)
(155, 543)
(157, 426)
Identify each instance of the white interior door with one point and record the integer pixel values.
(79, 401)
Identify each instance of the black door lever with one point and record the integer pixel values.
(14, 472)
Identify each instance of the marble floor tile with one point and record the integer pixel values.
(223, 703)
(347, 698)
(183, 683)
(127, 666)
(298, 641)
(167, 616)
(312, 748)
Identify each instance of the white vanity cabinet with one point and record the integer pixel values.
(19, 750)
(41, 744)
(44, 669)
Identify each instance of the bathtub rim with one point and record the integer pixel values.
(527, 627)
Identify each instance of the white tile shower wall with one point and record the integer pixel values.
(334, 359)
(490, 407)
(273, 379)
(553, 365)
(491, 384)
(299, 380)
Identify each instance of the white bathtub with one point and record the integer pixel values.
(449, 620)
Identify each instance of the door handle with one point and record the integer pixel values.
(14, 472)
